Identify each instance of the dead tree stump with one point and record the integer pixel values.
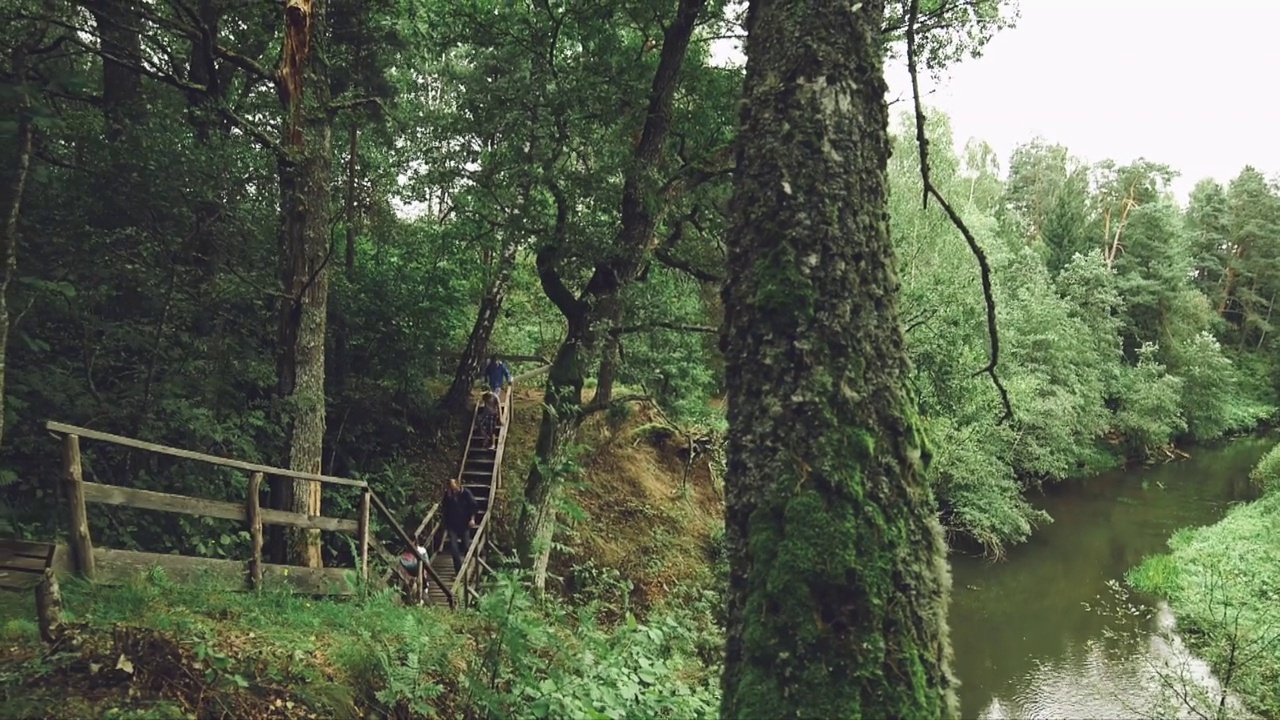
(49, 607)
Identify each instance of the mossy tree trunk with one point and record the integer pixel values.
(561, 414)
(838, 577)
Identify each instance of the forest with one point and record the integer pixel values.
(291, 233)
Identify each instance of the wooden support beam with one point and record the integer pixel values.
(254, 517)
(73, 479)
(123, 566)
(423, 563)
(363, 521)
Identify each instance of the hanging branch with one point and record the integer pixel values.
(928, 189)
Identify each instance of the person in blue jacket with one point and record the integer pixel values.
(497, 375)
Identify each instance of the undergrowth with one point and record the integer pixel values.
(153, 649)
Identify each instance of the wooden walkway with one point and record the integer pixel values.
(22, 563)
(480, 471)
(431, 578)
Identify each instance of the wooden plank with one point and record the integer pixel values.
(254, 519)
(166, 502)
(363, 532)
(308, 522)
(22, 562)
(120, 566)
(201, 457)
(25, 548)
(79, 520)
(18, 580)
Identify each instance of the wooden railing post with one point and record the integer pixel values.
(73, 478)
(363, 531)
(254, 518)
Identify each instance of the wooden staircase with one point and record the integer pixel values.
(480, 472)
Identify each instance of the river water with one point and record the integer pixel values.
(1030, 640)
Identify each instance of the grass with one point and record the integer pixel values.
(205, 652)
(1223, 582)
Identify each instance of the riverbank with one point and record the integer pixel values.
(1223, 583)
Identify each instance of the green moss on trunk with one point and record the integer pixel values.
(838, 574)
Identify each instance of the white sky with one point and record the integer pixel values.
(1183, 82)
(1188, 83)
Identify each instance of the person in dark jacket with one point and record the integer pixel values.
(497, 375)
(458, 508)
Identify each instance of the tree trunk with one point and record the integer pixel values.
(610, 318)
(838, 584)
(473, 356)
(9, 239)
(121, 85)
(561, 415)
(563, 400)
(305, 174)
(341, 355)
(561, 408)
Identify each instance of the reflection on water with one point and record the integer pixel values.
(1150, 675)
(1027, 643)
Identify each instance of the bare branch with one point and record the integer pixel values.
(928, 189)
(678, 327)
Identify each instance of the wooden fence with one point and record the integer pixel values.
(81, 557)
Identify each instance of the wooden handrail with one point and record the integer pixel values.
(461, 582)
(187, 505)
(65, 429)
(423, 565)
(81, 492)
(417, 534)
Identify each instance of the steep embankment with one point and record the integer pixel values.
(631, 513)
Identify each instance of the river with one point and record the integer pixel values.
(1029, 640)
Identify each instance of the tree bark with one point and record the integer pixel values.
(9, 239)
(473, 356)
(305, 173)
(838, 583)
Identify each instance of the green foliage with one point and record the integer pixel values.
(1110, 351)
(1267, 472)
(541, 661)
